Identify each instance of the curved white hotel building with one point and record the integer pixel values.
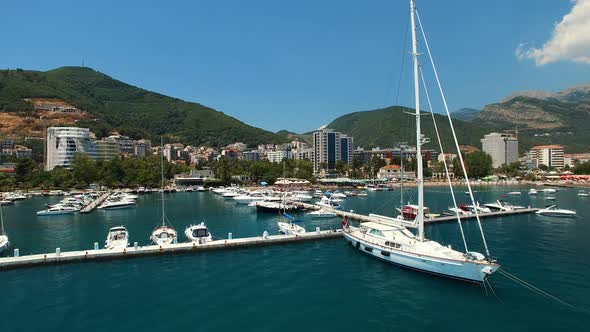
(64, 142)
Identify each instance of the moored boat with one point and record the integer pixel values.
(554, 211)
(117, 238)
(198, 233)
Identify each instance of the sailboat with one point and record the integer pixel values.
(4, 243)
(392, 242)
(163, 235)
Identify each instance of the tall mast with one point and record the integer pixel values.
(401, 183)
(162, 178)
(420, 215)
(1, 221)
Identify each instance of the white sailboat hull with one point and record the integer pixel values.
(470, 271)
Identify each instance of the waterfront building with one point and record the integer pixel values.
(63, 143)
(503, 148)
(389, 172)
(548, 155)
(330, 146)
(278, 156)
(106, 150)
(301, 154)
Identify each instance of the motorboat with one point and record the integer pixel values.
(318, 194)
(410, 211)
(549, 191)
(533, 191)
(514, 193)
(248, 198)
(395, 243)
(554, 211)
(582, 193)
(274, 206)
(117, 238)
(6, 202)
(290, 227)
(338, 194)
(501, 205)
(301, 197)
(550, 198)
(363, 194)
(198, 233)
(200, 188)
(321, 213)
(329, 203)
(116, 204)
(461, 210)
(53, 211)
(15, 196)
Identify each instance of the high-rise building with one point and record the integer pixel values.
(126, 144)
(503, 148)
(106, 150)
(548, 155)
(64, 142)
(329, 147)
(346, 146)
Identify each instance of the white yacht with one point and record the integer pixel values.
(117, 238)
(318, 194)
(59, 210)
(501, 205)
(6, 202)
(248, 198)
(198, 233)
(533, 191)
(549, 191)
(301, 197)
(394, 243)
(582, 193)
(116, 204)
(338, 194)
(329, 203)
(554, 211)
(321, 213)
(200, 188)
(514, 193)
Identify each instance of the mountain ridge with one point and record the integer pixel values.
(126, 108)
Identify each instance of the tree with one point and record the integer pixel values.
(582, 168)
(25, 171)
(375, 164)
(478, 164)
(84, 170)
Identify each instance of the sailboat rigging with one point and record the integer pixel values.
(393, 242)
(164, 234)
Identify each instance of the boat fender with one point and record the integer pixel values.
(358, 245)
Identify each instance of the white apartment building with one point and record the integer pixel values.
(278, 156)
(502, 147)
(63, 143)
(548, 155)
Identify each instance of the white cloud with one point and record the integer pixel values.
(570, 40)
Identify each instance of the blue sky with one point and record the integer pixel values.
(291, 64)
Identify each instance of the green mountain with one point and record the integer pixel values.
(465, 114)
(387, 126)
(289, 135)
(560, 118)
(133, 111)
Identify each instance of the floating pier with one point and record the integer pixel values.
(59, 257)
(376, 218)
(88, 208)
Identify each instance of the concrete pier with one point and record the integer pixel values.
(365, 218)
(63, 257)
(88, 208)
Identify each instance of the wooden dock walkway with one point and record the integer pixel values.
(376, 218)
(151, 250)
(94, 204)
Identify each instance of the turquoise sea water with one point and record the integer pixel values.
(313, 286)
